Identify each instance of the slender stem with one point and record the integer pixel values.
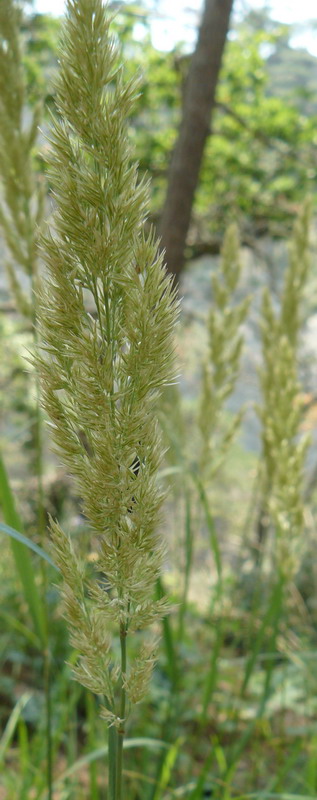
(48, 726)
(121, 730)
(188, 564)
(112, 762)
(39, 446)
(41, 530)
(115, 740)
(91, 741)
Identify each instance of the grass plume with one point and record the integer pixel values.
(281, 412)
(221, 370)
(107, 313)
(22, 191)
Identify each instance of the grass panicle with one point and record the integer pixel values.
(107, 312)
(221, 370)
(281, 410)
(22, 189)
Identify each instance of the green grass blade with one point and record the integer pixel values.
(272, 613)
(275, 606)
(102, 752)
(168, 639)
(210, 524)
(12, 723)
(188, 564)
(282, 796)
(18, 626)
(24, 750)
(167, 767)
(197, 792)
(277, 780)
(19, 537)
(311, 769)
(21, 555)
(212, 674)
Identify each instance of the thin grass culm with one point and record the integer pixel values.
(107, 312)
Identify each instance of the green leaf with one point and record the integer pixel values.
(19, 537)
(16, 625)
(197, 792)
(101, 752)
(11, 724)
(189, 539)
(167, 767)
(21, 555)
(169, 640)
(210, 524)
(268, 796)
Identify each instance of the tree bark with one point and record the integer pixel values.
(199, 101)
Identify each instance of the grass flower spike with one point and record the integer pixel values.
(281, 412)
(22, 193)
(221, 370)
(107, 313)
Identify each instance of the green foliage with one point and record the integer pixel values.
(19, 537)
(260, 159)
(21, 556)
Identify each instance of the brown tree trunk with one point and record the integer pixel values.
(199, 101)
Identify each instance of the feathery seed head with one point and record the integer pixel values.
(107, 313)
(221, 371)
(21, 192)
(280, 413)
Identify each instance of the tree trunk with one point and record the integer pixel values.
(199, 101)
